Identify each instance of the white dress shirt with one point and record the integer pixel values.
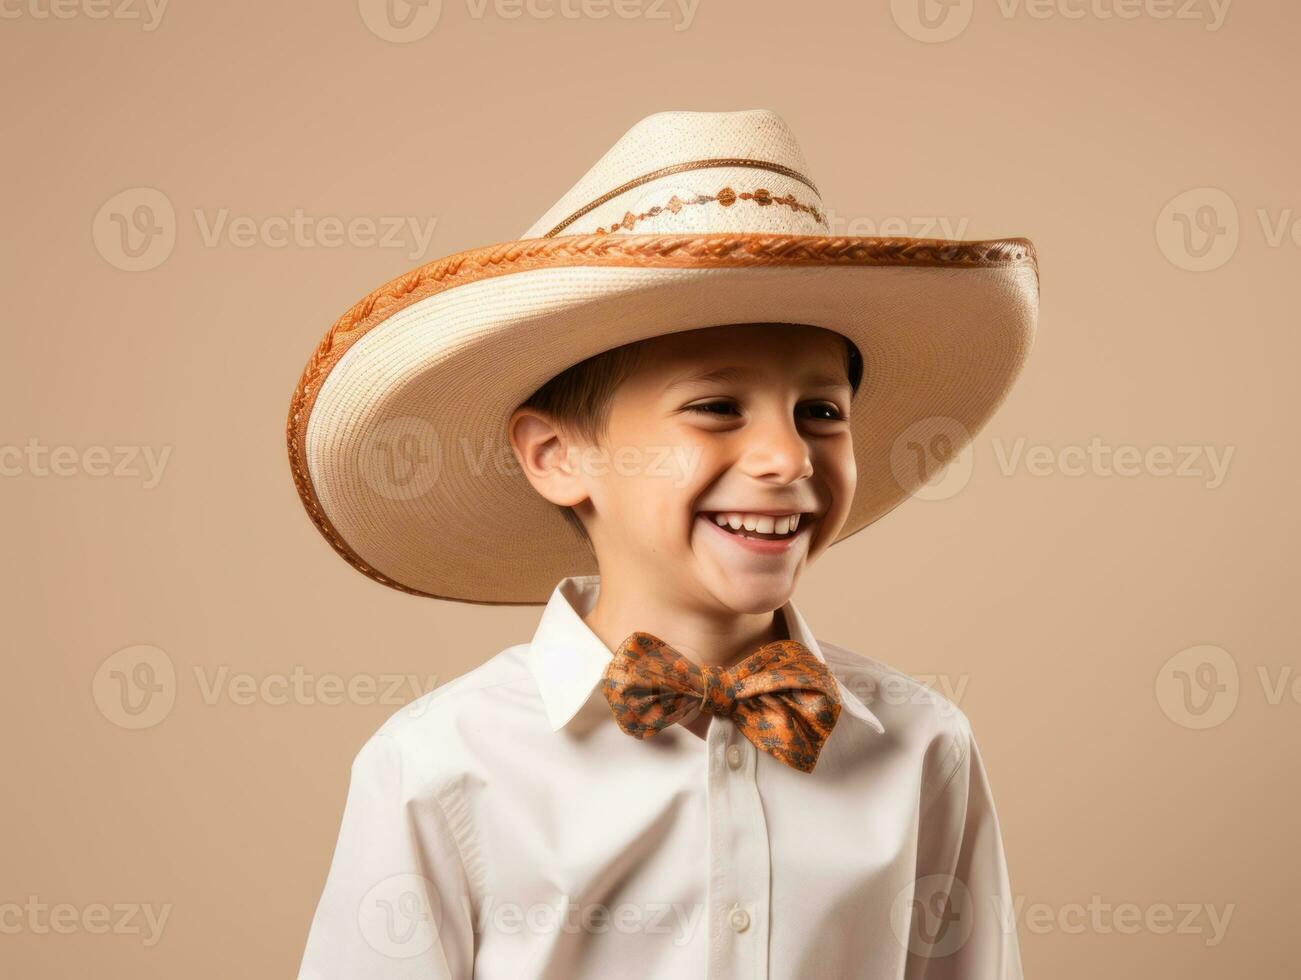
(504, 827)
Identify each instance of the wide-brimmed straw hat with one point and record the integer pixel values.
(397, 429)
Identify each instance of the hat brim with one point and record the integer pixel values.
(397, 429)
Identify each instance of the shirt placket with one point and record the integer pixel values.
(739, 871)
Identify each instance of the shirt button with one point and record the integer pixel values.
(735, 757)
(739, 919)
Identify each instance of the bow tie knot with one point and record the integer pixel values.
(781, 697)
(720, 691)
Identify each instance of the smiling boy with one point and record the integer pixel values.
(674, 777)
(766, 449)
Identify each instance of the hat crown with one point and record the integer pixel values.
(694, 173)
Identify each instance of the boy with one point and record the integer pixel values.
(702, 391)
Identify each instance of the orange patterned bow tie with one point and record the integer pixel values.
(782, 697)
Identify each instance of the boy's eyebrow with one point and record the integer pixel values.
(817, 379)
(718, 374)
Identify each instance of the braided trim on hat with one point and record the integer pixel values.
(726, 250)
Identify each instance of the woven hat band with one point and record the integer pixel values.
(679, 168)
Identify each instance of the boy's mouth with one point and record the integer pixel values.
(760, 527)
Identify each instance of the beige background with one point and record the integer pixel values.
(1054, 600)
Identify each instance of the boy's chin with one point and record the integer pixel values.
(753, 594)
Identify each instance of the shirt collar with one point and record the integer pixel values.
(568, 659)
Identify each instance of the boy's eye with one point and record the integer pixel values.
(833, 412)
(708, 407)
(719, 408)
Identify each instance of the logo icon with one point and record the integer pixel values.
(400, 916)
(933, 916)
(400, 21)
(1198, 687)
(932, 21)
(926, 461)
(401, 458)
(1198, 230)
(135, 230)
(135, 687)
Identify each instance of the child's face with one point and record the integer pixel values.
(774, 438)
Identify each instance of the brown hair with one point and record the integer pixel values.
(579, 397)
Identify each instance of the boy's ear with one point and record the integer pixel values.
(547, 456)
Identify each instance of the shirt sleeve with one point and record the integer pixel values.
(962, 924)
(395, 904)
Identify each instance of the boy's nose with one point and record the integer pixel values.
(775, 449)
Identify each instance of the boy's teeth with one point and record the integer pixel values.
(759, 523)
